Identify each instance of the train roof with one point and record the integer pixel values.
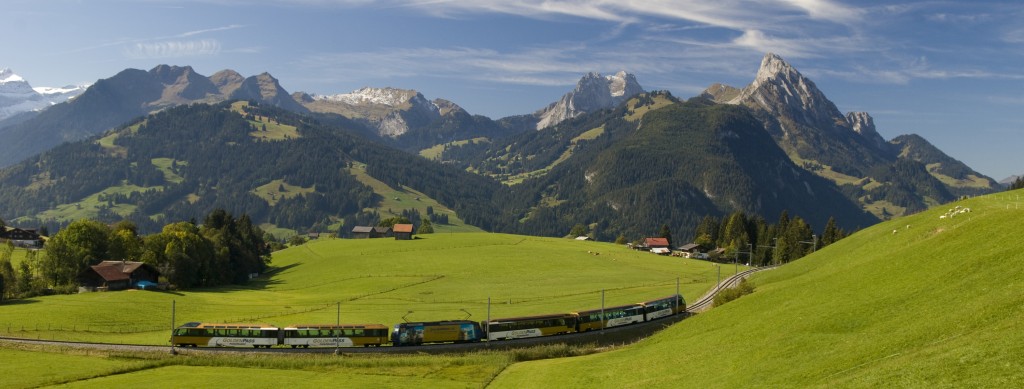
(435, 323)
(537, 317)
(234, 326)
(335, 326)
(664, 298)
(589, 311)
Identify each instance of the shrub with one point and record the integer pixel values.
(745, 287)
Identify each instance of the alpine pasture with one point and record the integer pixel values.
(920, 301)
(434, 277)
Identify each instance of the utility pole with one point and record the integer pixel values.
(337, 333)
(173, 302)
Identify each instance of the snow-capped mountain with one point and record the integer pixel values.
(17, 96)
(392, 111)
(593, 92)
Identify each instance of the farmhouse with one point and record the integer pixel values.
(21, 237)
(117, 275)
(656, 243)
(403, 231)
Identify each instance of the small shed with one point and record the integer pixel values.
(403, 231)
(381, 232)
(117, 275)
(361, 232)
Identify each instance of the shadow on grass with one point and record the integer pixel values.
(18, 302)
(262, 282)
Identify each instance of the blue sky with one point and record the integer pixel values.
(950, 71)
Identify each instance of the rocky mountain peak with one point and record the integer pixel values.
(780, 89)
(18, 96)
(863, 124)
(227, 81)
(592, 92)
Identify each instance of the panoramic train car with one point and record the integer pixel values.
(613, 317)
(662, 307)
(458, 331)
(529, 326)
(225, 335)
(330, 335)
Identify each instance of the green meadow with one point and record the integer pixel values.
(920, 301)
(435, 277)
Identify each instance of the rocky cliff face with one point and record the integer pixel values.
(392, 111)
(781, 89)
(848, 148)
(593, 92)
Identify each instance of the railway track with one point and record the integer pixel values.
(708, 300)
(606, 337)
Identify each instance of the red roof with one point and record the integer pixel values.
(656, 242)
(402, 228)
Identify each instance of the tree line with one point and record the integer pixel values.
(222, 250)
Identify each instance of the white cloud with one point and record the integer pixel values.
(197, 32)
(172, 49)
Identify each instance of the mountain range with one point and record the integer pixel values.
(608, 155)
(17, 96)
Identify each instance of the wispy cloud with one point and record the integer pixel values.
(172, 49)
(208, 30)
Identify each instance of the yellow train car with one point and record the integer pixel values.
(529, 326)
(197, 334)
(666, 306)
(331, 335)
(613, 317)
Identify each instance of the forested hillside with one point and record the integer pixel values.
(184, 162)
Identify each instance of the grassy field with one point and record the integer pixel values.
(919, 301)
(437, 277)
(39, 366)
(914, 302)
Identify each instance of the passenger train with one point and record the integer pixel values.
(195, 334)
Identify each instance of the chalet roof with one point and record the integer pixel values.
(362, 229)
(403, 228)
(689, 246)
(382, 230)
(655, 242)
(116, 270)
(12, 231)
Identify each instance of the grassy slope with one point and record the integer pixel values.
(395, 200)
(378, 280)
(32, 366)
(937, 303)
(438, 277)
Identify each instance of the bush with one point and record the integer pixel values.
(745, 287)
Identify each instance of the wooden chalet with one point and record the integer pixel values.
(117, 275)
(21, 237)
(403, 231)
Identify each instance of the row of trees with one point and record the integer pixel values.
(222, 250)
(751, 237)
